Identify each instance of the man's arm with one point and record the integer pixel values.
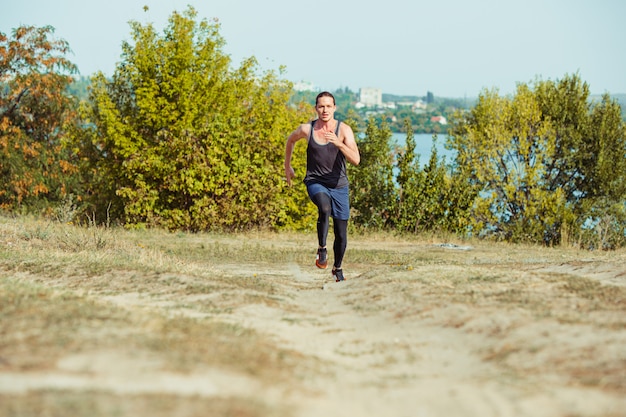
(300, 133)
(348, 146)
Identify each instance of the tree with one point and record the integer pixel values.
(373, 191)
(432, 198)
(408, 179)
(37, 169)
(178, 139)
(543, 160)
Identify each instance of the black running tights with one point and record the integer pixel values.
(340, 228)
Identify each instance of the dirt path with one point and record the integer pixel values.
(381, 363)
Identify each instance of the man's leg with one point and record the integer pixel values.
(340, 228)
(322, 201)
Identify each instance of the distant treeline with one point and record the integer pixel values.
(421, 118)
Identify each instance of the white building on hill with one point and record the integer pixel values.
(304, 86)
(371, 97)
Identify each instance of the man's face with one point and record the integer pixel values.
(325, 108)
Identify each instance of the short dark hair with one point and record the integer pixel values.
(324, 94)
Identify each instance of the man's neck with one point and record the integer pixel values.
(328, 125)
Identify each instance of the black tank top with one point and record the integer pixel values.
(325, 164)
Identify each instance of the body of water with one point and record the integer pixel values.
(424, 144)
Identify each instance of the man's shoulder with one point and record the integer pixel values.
(344, 127)
(304, 129)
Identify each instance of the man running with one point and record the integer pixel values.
(330, 144)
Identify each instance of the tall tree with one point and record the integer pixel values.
(179, 139)
(373, 191)
(36, 167)
(541, 159)
(409, 180)
(433, 198)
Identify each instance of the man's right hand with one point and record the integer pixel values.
(289, 174)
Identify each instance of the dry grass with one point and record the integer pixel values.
(166, 301)
(50, 274)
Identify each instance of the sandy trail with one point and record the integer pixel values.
(381, 363)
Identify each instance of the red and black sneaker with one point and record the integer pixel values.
(321, 261)
(338, 275)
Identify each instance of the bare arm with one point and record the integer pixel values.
(302, 132)
(346, 143)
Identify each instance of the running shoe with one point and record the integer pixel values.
(321, 261)
(338, 274)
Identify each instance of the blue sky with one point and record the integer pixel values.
(453, 48)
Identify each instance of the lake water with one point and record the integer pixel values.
(424, 144)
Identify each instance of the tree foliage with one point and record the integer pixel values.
(432, 198)
(390, 193)
(179, 139)
(373, 191)
(547, 161)
(409, 179)
(36, 167)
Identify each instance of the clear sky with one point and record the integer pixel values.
(453, 48)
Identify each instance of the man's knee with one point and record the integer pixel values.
(322, 201)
